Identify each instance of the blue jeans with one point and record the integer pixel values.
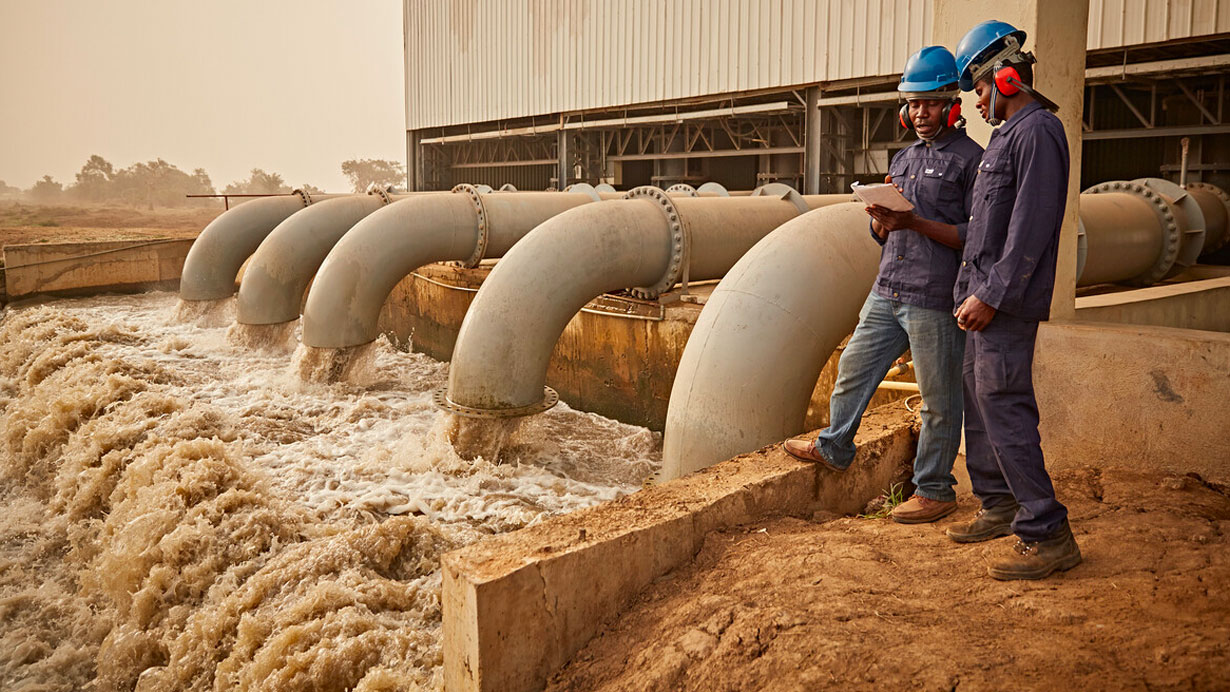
(885, 329)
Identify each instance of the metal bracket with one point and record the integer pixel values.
(440, 398)
(1172, 238)
(784, 192)
(678, 246)
(584, 189)
(480, 245)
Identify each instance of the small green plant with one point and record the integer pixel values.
(883, 505)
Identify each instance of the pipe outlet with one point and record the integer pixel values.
(755, 354)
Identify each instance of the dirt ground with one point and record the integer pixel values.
(854, 603)
(26, 223)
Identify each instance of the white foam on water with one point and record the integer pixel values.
(181, 513)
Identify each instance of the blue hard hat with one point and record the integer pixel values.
(980, 43)
(930, 69)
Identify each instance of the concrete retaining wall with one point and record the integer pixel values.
(1203, 305)
(83, 268)
(1134, 396)
(517, 606)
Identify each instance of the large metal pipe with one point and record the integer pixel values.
(753, 358)
(648, 241)
(278, 273)
(1214, 204)
(749, 368)
(343, 305)
(219, 251)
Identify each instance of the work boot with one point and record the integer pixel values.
(806, 450)
(922, 510)
(987, 524)
(1037, 560)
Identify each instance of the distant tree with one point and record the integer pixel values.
(364, 172)
(158, 183)
(258, 183)
(93, 180)
(46, 190)
(311, 189)
(7, 190)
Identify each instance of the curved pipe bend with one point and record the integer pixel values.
(500, 361)
(219, 251)
(752, 361)
(272, 288)
(352, 284)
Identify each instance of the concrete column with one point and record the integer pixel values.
(1057, 36)
(564, 165)
(811, 143)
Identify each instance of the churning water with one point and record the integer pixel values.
(178, 513)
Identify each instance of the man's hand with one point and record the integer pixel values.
(974, 315)
(891, 220)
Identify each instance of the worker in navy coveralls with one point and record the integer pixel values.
(1003, 290)
(911, 302)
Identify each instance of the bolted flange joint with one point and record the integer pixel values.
(303, 195)
(679, 248)
(682, 189)
(480, 244)
(1172, 235)
(1225, 200)
(440, 398)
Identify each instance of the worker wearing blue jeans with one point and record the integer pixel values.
(910, 305)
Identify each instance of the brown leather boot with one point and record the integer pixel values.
(1037, 560)
(806, 450)
(987, 524)
(922, 510)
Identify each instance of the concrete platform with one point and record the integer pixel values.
(517, 606)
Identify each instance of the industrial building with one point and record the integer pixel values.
(544, 93)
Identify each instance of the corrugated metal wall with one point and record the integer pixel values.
(470, 61)
(1114, 23)
(481, 60)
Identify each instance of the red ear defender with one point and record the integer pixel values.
(903, 116)
(952, 113)
(1006, 80)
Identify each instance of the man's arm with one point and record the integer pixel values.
(1041, 196)
(943, 233)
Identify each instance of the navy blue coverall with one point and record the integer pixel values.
(1008, 262)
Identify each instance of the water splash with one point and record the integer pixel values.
(480, 438)
(206, 313)
(180, 514)
(329, 365)
(280, 338)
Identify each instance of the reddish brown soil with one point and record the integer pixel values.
(23, 223)
(869, 604)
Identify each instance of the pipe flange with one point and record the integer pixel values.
(508, 187)
(1172, 237)
(682, 189)
(584, 189)
(678, 250)
(605, 187)
(1194, 230)
(381, 192)
(1225, 200)
(303, 195)
(715, 188)
(785, 192)
(480, 245)
(440, 398)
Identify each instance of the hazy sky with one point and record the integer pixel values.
(291, 86)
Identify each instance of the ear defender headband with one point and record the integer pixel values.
(1007, 81)
(952, 115)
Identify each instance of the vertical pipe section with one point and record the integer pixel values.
(752, 361)
(343, 304)
(219, 251)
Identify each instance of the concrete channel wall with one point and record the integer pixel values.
(1202, 305)
(1134, 396)
(62, 269)
(518, 606)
